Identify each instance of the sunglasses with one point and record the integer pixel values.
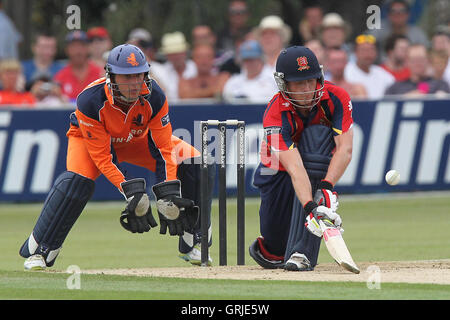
(365, 38)
(237, 11)
(398, 11)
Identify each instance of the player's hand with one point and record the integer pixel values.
(176, 213)
(137, 216)
(314, 213)
(326, 197)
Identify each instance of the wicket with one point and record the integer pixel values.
(240, 142)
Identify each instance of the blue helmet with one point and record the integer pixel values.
(299, 63)
(126, 59)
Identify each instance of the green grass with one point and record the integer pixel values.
(412, 228)
(19, 284)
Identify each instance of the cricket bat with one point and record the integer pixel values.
(337, 248)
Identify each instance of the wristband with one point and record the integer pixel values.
(310, 206)
(324, 184)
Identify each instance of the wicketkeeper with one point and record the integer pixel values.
(123, 117)
(307, 147)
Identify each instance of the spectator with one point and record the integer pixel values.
(397, 24)
(255, 83)
(209, 82)
(337, 59)
(175, 48)
(99, 44)
(395, 63)
(441, 42)
(9, 37)
(439, 63)
(229, 60)
(309, 26)
(44, 50)
(47, 93)
(316, 46)
(334, 32)
(374, 78)
(419, 83)
(79, 71)
(273, 35)
(237, 25)
(203, 34)
(10, 71)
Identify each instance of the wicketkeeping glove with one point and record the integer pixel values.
(137, 216)
(326, 197)
(176, 213)
(314, 213)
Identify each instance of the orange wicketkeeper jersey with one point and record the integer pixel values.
(105, 129)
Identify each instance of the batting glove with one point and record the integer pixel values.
(326, 197)
(314, 213)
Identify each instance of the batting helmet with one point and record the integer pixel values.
(299, 63)
(126, 59)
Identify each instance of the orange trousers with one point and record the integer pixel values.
(134, 152)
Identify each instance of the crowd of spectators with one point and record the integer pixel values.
(235, 64)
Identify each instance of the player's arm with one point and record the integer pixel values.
(342, 124)
(161, 145)
(341, 157)
(98, 144)
(292, 162)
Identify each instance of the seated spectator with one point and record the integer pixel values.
(255, 83)
(441, 42)
(203, 34)
(44, 50)
(48, 94)
(175, 48)
(10, 71)
(397, 24)
(318, 49)
(364, 71)
(229, 60)
(273, 35)
(419, 83)
(9, 36)
(337, 59)
(80, 71)
(395, 63)
(236, 27)
(439, 63)
(334, 32)
(209, 82)
(309, 25)
(99, 43)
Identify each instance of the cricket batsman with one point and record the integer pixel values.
(307, 148)
(123, 117)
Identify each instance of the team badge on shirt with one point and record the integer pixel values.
(302, 63)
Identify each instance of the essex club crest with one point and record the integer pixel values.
(302, 63)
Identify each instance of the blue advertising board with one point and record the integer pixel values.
(410, 136)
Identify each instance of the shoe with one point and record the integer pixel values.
(298, 262)
(194, 256)
(35, 263)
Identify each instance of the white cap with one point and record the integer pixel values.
(276, 23)
(174, 43)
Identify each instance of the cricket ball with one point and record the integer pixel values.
(392, 177)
